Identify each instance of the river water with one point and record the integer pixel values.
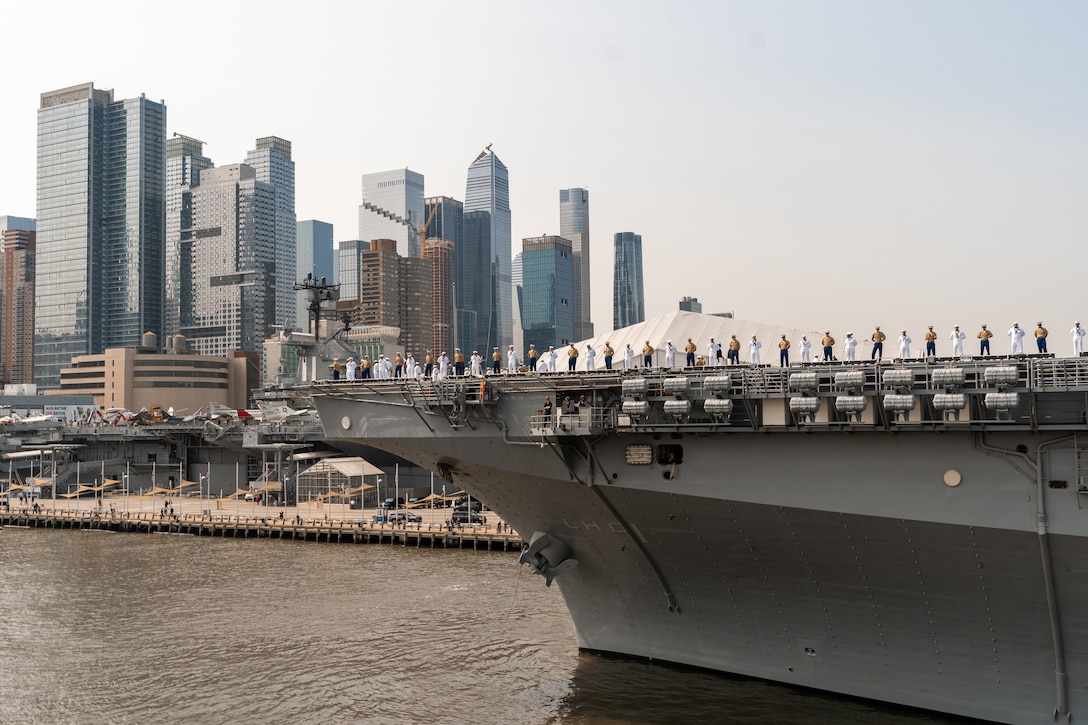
(132, 628)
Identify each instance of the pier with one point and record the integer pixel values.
(431, 534)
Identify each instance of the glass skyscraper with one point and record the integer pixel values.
(485, 309)
(315, 256)
(574, 225)
(348, 255)
(547, 292)
(228, 263)
(628, 296)
(272, 165)
(185, 160)
(101, 225)
(391, 198)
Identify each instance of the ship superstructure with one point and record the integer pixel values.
(913, 532)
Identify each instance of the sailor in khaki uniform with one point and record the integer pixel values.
(829, 346)
(878, 339)
(784, 352)
(689, 348)
(931, 342)
(608, 353)
(572, 357)
(1040, 337)
(647, 354)
(734, 350)
(984, 336)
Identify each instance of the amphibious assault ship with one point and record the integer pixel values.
(911, 532)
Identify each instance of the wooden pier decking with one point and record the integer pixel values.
(243, 527)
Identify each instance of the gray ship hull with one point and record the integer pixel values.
(940, 568)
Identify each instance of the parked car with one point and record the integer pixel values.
(467, 517)
(406, 516)
(393, 503)
(463, 505)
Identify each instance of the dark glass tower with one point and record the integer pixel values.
(485, 306)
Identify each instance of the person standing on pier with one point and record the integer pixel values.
(878, 339)
(1016, 338)
(1040, 337)
(1077, 334)
(984, 336)
(783, 352)
(608, 353)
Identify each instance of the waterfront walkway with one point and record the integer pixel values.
(192, 517)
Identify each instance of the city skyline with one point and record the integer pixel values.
(778, 159)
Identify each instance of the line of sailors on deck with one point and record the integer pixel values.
(440, 367)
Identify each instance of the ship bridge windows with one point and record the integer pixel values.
(670, 454)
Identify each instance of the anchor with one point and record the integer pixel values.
(547, 556)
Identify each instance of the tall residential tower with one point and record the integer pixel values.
(484, 296)
(17, 239)
(574, 225)
(628, 296)
(392, 208)
(101, 216)
(272, 165)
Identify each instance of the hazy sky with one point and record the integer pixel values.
(811, 164)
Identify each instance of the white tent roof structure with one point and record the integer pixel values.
(678, 326)
(348, 466)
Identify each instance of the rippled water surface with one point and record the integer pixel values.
(113, 628)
